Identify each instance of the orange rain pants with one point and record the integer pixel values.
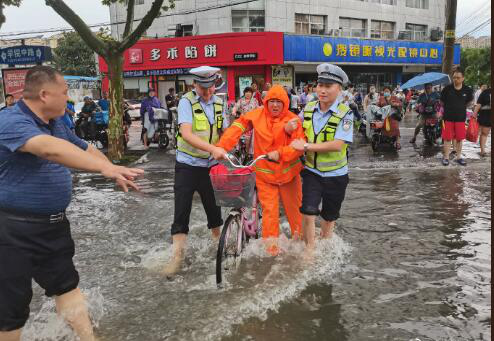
(290, 194)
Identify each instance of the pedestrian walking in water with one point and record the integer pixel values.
(455, 98)
(328, 127)
(202, 118)
(36, 151)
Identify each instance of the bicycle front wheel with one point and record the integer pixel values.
(230, 247)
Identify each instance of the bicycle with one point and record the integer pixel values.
(244, 219)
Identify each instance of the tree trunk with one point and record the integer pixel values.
(115, 96)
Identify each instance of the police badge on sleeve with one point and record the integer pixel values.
(347, 124)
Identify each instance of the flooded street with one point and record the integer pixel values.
(410, 260)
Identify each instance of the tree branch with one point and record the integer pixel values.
(148, 19)
(130, 18)
(79, 26)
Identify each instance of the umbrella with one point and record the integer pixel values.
(434, 78)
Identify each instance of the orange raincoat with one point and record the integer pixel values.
(273, 180)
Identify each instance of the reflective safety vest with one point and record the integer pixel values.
(327, 161)
(201, 127)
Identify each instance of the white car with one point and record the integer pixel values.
(134, 108)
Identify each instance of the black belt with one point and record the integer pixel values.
(33, 217)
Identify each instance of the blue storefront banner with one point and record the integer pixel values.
(299, 48)
(25, 54)
(146, 73)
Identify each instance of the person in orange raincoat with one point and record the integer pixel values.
(274, 181)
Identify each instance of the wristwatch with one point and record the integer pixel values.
(306, 147)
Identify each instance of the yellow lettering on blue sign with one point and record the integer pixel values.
(423, 53)
(414, 52)
(354, 50)
(379, 51)
(402, 52)
(434, 53)
(367, 51)
(341, 50)
(391, 52)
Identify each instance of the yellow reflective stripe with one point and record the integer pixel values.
(286, 170)
(236, 124)
(263, 170)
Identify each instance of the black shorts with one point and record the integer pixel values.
(189, 179)
(39, 251)
(331, 190)
(484, 118)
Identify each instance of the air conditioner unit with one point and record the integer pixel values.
(436, 34)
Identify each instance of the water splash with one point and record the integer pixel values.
(46, 325)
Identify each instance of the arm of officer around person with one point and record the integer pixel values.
(287, 152)
(230, 137)
(343, 134)
(72, 153)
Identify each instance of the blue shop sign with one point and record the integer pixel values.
(146, 73)
(25, 54)
(352, 50)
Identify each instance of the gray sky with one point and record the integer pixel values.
(35, 15)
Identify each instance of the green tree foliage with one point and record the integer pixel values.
(5, 3)
(112, 51)
(73, 57)
(476, 63)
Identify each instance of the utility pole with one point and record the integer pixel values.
(449, 36)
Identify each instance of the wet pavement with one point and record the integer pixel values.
(411, 260)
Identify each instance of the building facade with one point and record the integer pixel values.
(469, 42)
(338, 31)
(380, 19)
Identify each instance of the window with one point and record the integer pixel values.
(417, 32)
(423, 4)
(310, 24)
(247, 21)
(351, 27)
(139, 2)
(382, 29)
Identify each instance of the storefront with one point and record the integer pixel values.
(165, 63)
(366, 61)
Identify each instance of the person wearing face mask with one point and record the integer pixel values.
(395, 117)
(274, 181)
(201, 120)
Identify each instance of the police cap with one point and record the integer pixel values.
(205, 76)
(329, 73)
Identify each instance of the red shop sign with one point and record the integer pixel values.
(213, 50)
(13, 81)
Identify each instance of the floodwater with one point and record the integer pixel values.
(410, 261)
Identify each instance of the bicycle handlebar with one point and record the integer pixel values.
(236, 163)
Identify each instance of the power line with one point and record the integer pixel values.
(477, 28)
(185, 12)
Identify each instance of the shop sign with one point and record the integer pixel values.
(146, 73)
(24, 54)
(245, 56)
(351, 50)
(190, 52)
(13, 81)
(282, 75)
(135, 56)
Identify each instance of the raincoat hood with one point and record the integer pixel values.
(279, 93)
